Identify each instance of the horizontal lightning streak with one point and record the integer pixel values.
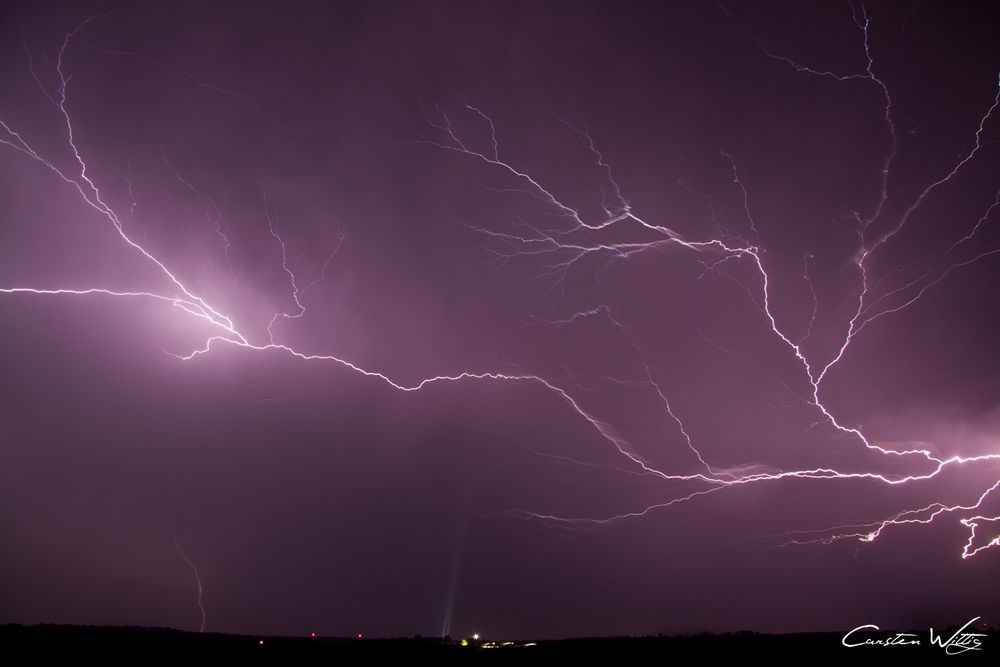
(560, 242)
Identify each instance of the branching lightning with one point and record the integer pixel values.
(566, 244)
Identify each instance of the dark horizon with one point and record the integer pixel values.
(542, 320)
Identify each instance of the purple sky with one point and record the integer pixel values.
(539, 319)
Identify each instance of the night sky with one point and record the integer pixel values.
(537, 319)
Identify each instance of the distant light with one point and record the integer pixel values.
(361, 635)
(261, 642)
(476, 636)
(312, 634)
(465, 642)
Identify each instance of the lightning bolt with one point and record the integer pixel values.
(197, 581)
(214, 214)
(560, 246)
(536, 241)
(972, 523)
